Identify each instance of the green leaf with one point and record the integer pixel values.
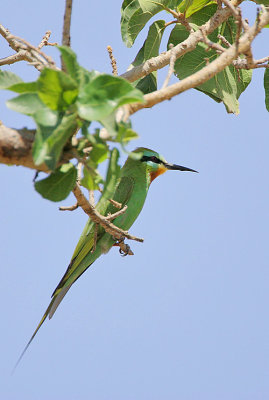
(57, 140)
(147, 84)
(53, 132)
(99, 153)
(149, 49)
(56, 89)
(110, 124)
(58, 184)
(125, 133)
(190, 7)
(120, 132)
(26, 103)
(7, 79)
(228, 84)
(266, 88)
(91, 177)
(78, 73)
(86, 76)
(101, 96)
(70, 62)
(24, 87)
(47, 122)
(135, 14)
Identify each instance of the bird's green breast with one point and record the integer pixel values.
(134, 182)
(131, 191)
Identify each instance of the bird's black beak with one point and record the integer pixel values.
(178, 167)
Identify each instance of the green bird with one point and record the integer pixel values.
(130, 189)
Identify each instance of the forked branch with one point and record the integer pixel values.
(99, 219)
(25, 51)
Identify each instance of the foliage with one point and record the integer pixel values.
(226, 86)
(58, 184)
(63, 102)
(66, 105)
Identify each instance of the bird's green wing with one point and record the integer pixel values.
(84, 258)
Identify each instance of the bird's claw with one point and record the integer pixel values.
(126, 251)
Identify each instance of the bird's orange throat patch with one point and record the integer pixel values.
(161, 170)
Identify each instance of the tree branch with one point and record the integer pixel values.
(25, 51)
(16, 148)
(45, 41)
(96, 217)
(155, 63)
(206, 73)
(66, 40)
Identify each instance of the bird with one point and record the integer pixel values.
(140, 169)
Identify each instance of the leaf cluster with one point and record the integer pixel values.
(226, 86)
(64, 104)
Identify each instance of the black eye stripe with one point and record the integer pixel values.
(154, 159)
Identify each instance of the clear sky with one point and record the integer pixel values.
(187, 316)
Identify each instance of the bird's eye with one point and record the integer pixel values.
(155, 159)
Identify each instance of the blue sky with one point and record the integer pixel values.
(187, 316)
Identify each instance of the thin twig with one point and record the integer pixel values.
(224, 40)
(100, 219)
(175, 21)
(79, 175)
(66, 39)
(171, 11)
(181, 18)
(33, 50)
(211, 45)
(171, 69)
(68, 208)
(25, 51)
(12, 59)
(236, 12)
(239, 23)
(117, 214)
(113, 61)
(115, 203)
(44, 41)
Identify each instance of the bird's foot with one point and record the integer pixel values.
(124, 249)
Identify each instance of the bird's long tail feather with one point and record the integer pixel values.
(35, 332)
(58, 299)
